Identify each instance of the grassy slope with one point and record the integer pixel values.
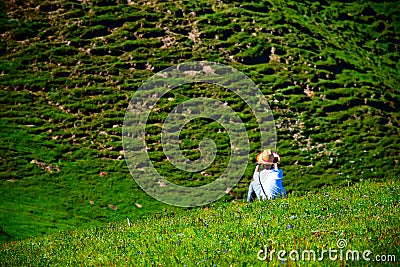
(69, 68)
(232, 234)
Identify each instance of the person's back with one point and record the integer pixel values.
(271, 181)
(267, 183)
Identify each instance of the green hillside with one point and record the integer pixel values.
(68, 69)
(362, 219)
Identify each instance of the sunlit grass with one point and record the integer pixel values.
(68, 69)
(365, 215)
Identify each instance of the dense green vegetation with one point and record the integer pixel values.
(68, 69)
(364, 216)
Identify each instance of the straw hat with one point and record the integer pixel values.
(267, 157)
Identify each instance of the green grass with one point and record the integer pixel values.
(329, 69)
(232, 234)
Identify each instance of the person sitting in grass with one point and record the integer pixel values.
(267, 178)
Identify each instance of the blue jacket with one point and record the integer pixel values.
(271, 181)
